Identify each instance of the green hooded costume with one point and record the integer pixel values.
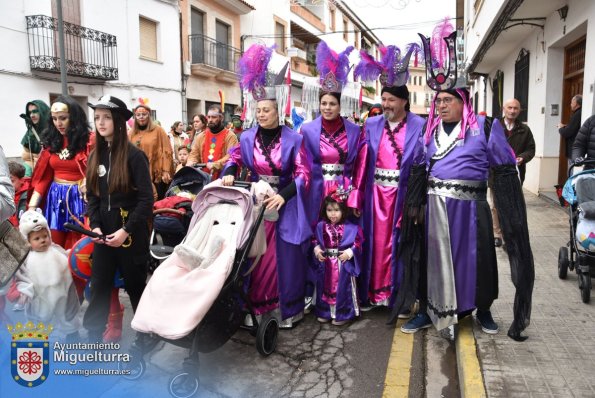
(29, 140)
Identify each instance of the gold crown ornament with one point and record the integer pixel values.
(29, 331)
(59, 107)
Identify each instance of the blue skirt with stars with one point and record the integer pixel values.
(56, 210)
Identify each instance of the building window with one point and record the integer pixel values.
(280, 37)
(521, 82)
(197, 40)
(345, 29)
(332, 19)
(414, 98)
(148, 38)
(223, 50)
(357, 43)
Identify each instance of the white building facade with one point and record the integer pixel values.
(541, 53)
(125, 48)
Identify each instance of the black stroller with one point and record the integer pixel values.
(172, 215)
(222, 320)
(579, 252)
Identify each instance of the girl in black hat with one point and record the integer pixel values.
(120, 196)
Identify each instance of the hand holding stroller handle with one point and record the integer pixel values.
(83, 231)
(242, 184)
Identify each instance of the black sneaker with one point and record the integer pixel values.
(420, 321)
(485, 320)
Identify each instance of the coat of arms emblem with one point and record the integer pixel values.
(30, 353)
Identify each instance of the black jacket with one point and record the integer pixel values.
(570, 131)
(104, 210)
(584, 143)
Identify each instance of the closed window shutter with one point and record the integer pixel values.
(148, 38)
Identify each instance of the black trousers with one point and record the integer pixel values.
(106, 260)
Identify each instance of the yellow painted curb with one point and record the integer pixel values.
(396, 381)
(470, 376)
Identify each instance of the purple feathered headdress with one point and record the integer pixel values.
(333, 68)
(392, 69)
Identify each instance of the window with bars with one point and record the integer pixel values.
(148, 38)
(521, 82)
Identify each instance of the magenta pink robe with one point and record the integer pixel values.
(384, 197)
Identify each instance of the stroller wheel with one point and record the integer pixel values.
(563, 262)
(135, 369)
(585, 286)
(183, 385)
(266, 336)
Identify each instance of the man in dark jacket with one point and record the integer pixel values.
(520, 139)
(570, 130)
(519, 136)
(584, 143)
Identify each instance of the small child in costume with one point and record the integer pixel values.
(44, 279)
(183, 153)
(338, 254)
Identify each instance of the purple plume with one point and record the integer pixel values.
(252, 67)
(417, 53)
(438, 46)
(367, 69)
(329, 61)
(389, 57)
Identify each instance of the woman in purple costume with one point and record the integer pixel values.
(274, 153)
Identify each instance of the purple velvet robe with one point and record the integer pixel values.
(278, 279)
(382, 206)
(320, 151)
(469, 160)
(336, 292)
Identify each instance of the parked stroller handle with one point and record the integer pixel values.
(83, 231)
(199, 165)
(578, 162)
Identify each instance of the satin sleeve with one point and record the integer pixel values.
(499, 151)
(302, 169)
(356, 197)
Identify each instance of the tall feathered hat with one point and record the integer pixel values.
(333, 69)
(258, 83)
(393, 67)
(441, 75)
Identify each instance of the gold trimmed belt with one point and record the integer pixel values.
(66, 182)
(386, 177)
(332, 172)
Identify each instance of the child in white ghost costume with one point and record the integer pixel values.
(45, 279)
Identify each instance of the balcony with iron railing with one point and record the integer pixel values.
(89, 53)
(211, 58)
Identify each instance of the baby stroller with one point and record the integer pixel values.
(172, 214)
(579, 253)
(196, 298)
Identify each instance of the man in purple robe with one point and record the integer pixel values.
(461, 272)
(380, 183)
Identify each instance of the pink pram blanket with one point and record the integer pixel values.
(184, 287)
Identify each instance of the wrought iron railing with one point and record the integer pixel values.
(205, 50)
(89, 53)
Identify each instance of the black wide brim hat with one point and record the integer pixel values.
(112, 103)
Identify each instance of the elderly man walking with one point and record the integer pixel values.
(520, 139)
